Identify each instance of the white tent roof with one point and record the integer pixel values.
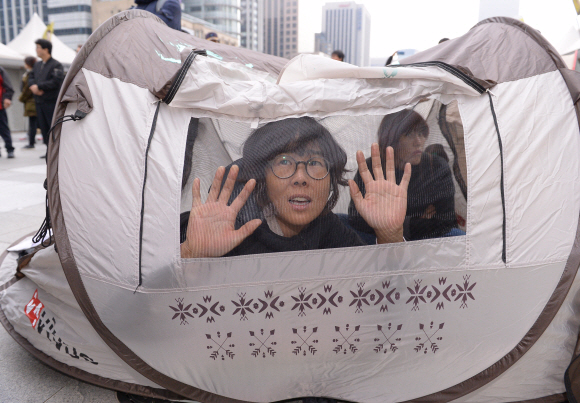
(9, 57)
(24, 42)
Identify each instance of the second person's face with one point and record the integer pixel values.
(410, 148)
(299, 199)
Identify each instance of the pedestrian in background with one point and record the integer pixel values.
(212, 36)
(337, 55)
(27, 98)
(168, 10)
(45, 80)
(6, 92)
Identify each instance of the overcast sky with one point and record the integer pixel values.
(419, 24)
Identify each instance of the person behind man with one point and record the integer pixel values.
(6, 93)
(168, 10)
(212, 36)
(27, 98)
(45, 80)
(337, 55)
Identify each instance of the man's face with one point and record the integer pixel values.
(40, 52)
(335, 57)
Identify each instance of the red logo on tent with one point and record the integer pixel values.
(33, 309)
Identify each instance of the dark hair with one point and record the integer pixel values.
(30, 61)
(44, 44)
(443, 40)
(339, 54)
(291, 135)
(395, 125)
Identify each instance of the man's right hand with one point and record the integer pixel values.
(211, 229)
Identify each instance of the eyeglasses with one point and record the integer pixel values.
(284, 166)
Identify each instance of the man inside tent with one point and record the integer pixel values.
(45, 80)
(6, 93)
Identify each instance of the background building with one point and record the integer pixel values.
(347, 26)
(281, 28)
(199, 28)
(72, 20)
(14, 14)
(102, 10)
(252, 27)
(224, 14)
(321, 44)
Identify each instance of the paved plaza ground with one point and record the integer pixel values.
(22, 377)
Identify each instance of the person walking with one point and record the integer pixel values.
(6, 92)
(27, 98)
(45, 81)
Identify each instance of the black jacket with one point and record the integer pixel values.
(49, 77)
(325, 232)
(431, 184)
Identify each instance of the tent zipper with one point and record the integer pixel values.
(153, 124)
(450, 69)
(181, 75)
(502, 190)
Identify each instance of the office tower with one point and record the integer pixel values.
(281, 28)
(14, 14)
(321, 44)
(225, 14)
(73, 23)
(252, 27)
(347, 26)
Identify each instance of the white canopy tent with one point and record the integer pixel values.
(9, 57)
(24, 42)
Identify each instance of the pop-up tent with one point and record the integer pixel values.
(35, 29)
(488, 314)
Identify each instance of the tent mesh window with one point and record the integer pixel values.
(302, 167)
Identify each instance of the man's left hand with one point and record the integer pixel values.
(7, 103)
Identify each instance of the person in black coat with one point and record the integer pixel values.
(431, 192)
(45, 81)
(6, 93)
(294, 168)
(168, 10)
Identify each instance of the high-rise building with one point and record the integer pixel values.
(347, 26)
(72, 18)
(281, 28)
(225, 14)
(252, 27)
(321, 44)
(14, 14)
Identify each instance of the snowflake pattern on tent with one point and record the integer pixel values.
(302, 301)
(181, 311)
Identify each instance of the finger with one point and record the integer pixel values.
(195, 193)
(406, 177)
(363, 169)
(376, 162)
(216, 184)
(390, 165)
(355, 194)
(246, 230)
(239, 201)
(229, 184)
